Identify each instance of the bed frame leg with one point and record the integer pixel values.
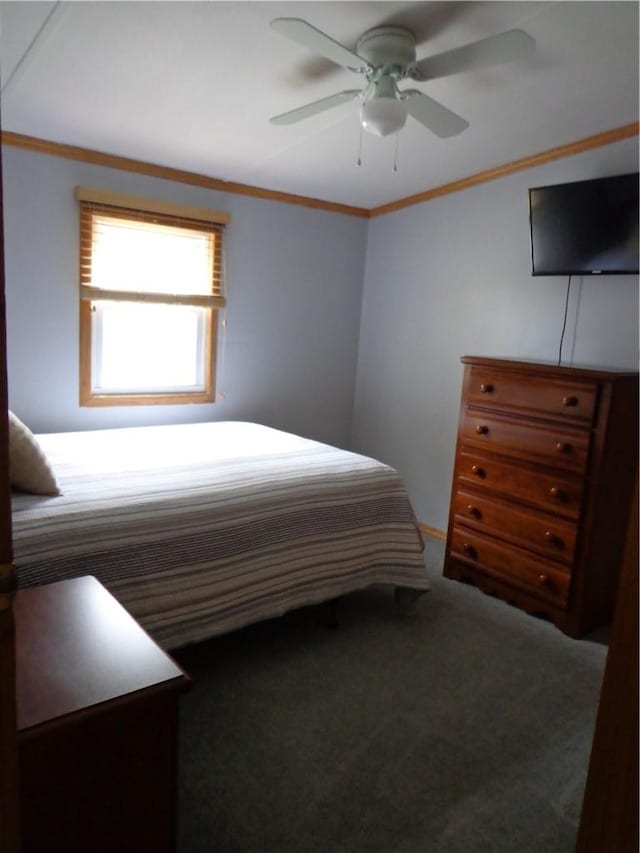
(406, 598)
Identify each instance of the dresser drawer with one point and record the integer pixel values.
(537, 577)
(551, 536)
(552, 446)
(555, 492)
(573, 401)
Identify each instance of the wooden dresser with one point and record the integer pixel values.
(97, 713)
(544, 471)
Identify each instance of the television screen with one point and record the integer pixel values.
(586, 227)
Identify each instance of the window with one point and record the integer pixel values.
(151, 287)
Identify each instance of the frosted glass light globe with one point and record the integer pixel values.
(382, 115)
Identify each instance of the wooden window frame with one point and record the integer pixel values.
(94, 201)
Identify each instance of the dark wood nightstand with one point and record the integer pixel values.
(97, 704)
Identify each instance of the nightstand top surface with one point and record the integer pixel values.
(77, 648)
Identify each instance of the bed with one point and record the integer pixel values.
(200, 529)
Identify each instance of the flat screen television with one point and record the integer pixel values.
(585, 227)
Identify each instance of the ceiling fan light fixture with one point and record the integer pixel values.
(386, 55)
(383, 112)
(382, 116)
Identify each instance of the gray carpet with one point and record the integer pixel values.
(462, 727)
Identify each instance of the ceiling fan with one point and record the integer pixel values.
(386, 56)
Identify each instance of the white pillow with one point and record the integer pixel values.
(29, 470)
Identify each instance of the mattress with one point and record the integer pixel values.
(200, 529)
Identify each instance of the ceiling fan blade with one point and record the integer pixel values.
(300, 31)
(432, 115)
(504, 47)
(308, 110)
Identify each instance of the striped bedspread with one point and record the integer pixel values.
(199, 529)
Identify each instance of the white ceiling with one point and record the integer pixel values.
(191, 85)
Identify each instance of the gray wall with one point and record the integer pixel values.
(288, 355)
(452, 277)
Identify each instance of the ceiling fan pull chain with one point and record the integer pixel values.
(395, 156)
(359, 160)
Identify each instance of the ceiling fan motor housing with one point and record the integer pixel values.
(387, 46)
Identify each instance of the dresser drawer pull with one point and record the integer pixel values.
(478, 471)
(470, 550)
(556, 493)
(563, 447)
(554, 540)
(474, 511)
(544, 580)
(481, 429)
(486, 388)
(569, 401)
